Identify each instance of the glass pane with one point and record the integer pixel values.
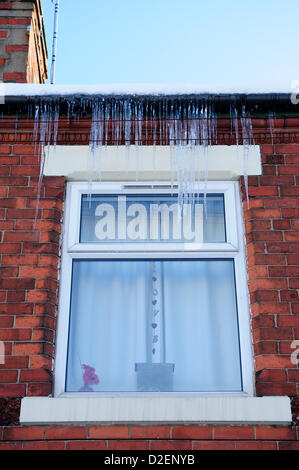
(151, 219)
(155, 325)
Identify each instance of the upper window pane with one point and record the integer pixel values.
(151, 219)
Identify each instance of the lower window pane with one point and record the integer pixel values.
(156, 325)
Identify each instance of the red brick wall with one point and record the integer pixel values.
(29, 253)
(272, 238)
(23, 50)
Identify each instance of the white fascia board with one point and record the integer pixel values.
(121, 163)
(157, 409)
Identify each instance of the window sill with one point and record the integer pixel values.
(156, 410)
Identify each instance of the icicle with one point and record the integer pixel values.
(205, 142)
(271, 124)
(248, 139)
(56, 123)
(127, 123)
(45, 125)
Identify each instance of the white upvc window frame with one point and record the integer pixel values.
(233, 248)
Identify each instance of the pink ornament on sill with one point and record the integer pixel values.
(89, 378)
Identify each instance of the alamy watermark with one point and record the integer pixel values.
(295, 354)
(2, 353)
(295, 92)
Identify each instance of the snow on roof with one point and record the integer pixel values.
(28, 89)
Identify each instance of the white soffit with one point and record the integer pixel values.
(146, 163)
(159, 409)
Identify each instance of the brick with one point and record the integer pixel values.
(272, 361)
(260, 321)
(281, 224)
(15, 296)
(276, 202)
(108, 432)
(66, 432)
(288, 170)
(254, 445)
(270, 307)
(171, 445)
(289, 190)
(149, 432)
(277, 180)
(20, 21)
(12, 390)
(295, 224)
(35, 375)
(293, 375)
(268, 375)
(257, 271)
(263, 283)
(15, 362)
(213, 445)
(86, 445)
(21, 236)
(295, 308)
(21, 214)
(292, 445)
(192, 432)
(265, 347)
(27, 348)
(289, 295)
(293, 259)
(283, 247)
(274, 159)
(16, 48)
(275, 333)
(22, 308)
(288, 320)
(37, 362)
(10, 446)
(33, 272)
(287, 148)
(23, 149)
(23, 433)
(265, 213)
(292, 236)
(266, 259)
(8, 376)
(10, 247)
(6, 272)
(270, 389)
(6, 321)
(16, 284)
(43, 445)
(275, 433)
(264, 295)
(39, 389)
(233, 432)
(128, 445)
(263, 191)
(19, 260)
(15, 334)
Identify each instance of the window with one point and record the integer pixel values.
(153, 292)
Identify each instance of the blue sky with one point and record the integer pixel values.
(222, 43)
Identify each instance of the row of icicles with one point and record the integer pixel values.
(184, 127)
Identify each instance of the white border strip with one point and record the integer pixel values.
(159, 409)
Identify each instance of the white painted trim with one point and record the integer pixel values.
(167, 409)
(117, 163)
(72, 249)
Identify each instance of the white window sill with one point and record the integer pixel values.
(156, 409)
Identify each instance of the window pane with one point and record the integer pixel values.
(151, 219)
(159, 325)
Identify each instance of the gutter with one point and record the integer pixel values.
(19, 97)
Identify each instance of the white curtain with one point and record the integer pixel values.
(111, 321)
